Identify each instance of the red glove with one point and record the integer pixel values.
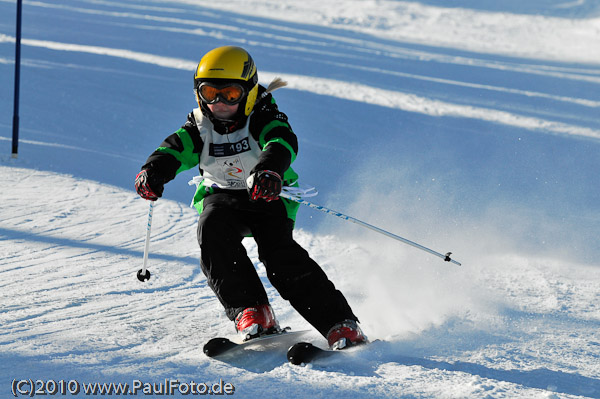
(143, 187)
(264, 184)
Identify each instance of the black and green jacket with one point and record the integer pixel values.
(227, 153)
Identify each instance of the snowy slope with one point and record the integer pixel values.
(473, 129)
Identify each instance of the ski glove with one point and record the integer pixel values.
(264, 184)
(147, 187)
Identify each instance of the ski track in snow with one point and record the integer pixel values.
(371, 95)
(355, 91)
(505, 325)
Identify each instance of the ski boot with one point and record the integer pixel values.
(256, 321)
(345, 334)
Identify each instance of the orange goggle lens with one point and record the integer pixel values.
(229, 94)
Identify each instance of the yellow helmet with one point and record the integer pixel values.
(229, 63)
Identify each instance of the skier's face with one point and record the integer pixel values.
(223, 111)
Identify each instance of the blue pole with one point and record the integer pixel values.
(15, 137)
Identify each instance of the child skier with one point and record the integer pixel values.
(244, 146)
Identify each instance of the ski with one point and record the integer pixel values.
(224, 347)
(304, 353)
(218, 346)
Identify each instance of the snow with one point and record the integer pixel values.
(470, 128)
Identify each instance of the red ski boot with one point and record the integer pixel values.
(256, 321)
(345, 334)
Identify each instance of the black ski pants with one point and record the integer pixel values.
(227, 218)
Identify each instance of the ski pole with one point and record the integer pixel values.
(144, 274)
(299, 200)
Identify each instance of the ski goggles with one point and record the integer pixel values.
(229, 93)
